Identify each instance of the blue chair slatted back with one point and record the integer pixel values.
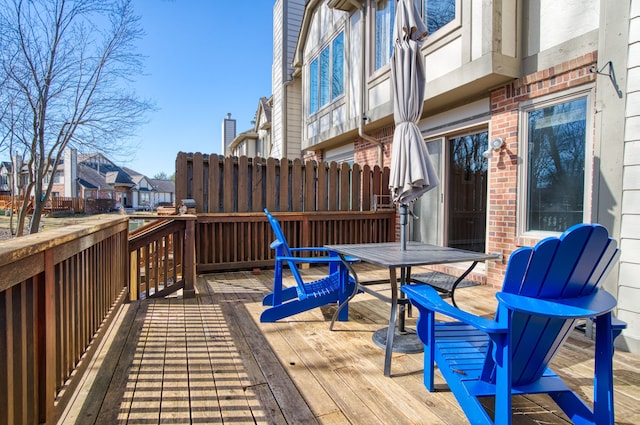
(568, 266)
(282, 249)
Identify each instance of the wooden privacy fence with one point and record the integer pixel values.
(241, 240)
(57, 290)
(220, 184)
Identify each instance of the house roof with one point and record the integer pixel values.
(86, 184)
(118, 178)
(90, 178)
(266, 107)
(135, 176)
(167, 186)
(245, 135)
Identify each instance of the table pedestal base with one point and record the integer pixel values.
(408, 342)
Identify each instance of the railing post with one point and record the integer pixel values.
(134, 283)
(189, 258)
(306, 236)
(50, 351)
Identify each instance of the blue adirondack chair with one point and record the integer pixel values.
(283, 302)
(545, 290)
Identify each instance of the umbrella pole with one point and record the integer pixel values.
(403, 227)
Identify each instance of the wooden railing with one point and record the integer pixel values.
(53, 205)
(59, 204)
(241, 240)
(57, 290)
(162, 257)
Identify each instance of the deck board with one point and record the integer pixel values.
(210, 360)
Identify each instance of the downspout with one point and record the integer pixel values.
(363, 82)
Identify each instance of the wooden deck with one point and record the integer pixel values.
(209, 360)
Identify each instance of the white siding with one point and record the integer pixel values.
(285, 130)
(294, 120)
(548, 22)
(276, 80)
(629, 284)
(444, 60)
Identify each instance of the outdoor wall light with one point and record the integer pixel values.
(495, 145)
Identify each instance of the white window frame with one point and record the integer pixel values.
(374, 56)
(587, 92)
(421, 6)
(329, 49)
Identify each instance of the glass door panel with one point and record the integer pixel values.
(467, 192)
(427, 227)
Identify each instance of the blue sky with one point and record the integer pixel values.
(204, 58)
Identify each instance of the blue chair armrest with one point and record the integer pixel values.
(616, 324)
(429, 298)
(596, 304)
(311, 260)
(348, 258)
(309, 249)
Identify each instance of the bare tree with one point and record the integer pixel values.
(66, 66)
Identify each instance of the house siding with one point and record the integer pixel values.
(286, 113)
(277, 80)
(293, 119)
(629, 284)
(483, 68)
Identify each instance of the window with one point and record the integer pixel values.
(385, 12)
(438, 13)
(326, 75)
(555, 145)
(313, 87)
(337, 80)
(435, 14)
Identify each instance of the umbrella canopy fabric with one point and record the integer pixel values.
(412, 173)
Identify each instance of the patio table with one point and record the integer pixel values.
(391, 256)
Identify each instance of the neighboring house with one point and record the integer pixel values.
(557, 101)
(257, 141)
(8, 177)
(97, 177)
(6, 170)
(163, 192)
(244, 144)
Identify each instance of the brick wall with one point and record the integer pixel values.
(364, 151)
(503, 178)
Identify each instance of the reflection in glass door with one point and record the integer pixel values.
(467, 192)
(427, 227)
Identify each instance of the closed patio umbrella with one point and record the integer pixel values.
(412, 173)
